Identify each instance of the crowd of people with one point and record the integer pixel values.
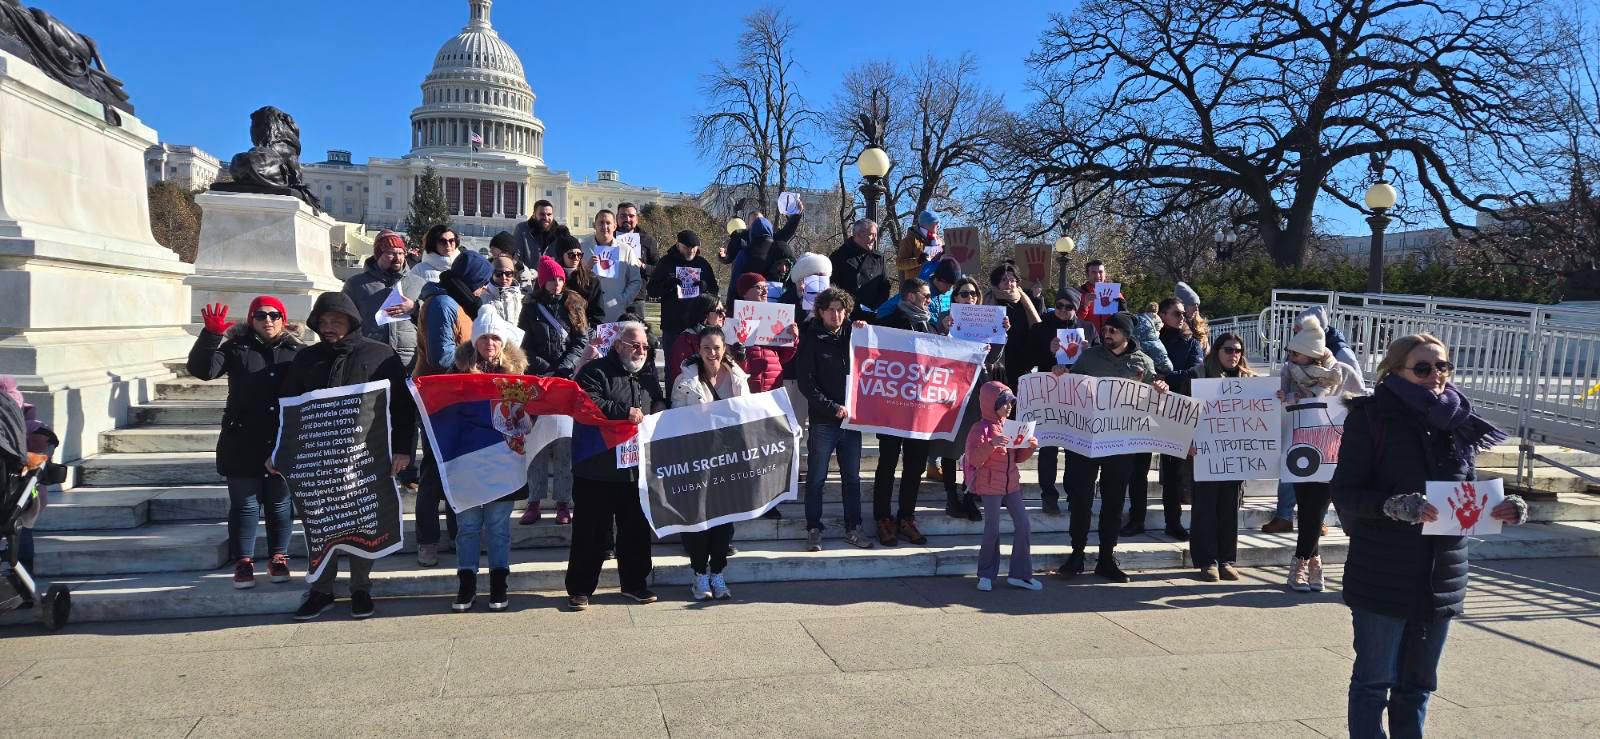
(537, 306)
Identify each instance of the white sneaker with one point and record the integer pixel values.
(985, 585)
(1300, 576)
(1314, 573)
(1028, 584)
(701, 589)
(719, 587)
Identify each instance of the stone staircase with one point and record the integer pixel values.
(141, 534)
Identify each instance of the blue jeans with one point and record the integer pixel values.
(826, 438)
(247, 496)
(1285, 501)
(1397, 667)
(495, 518)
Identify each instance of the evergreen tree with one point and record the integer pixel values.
(428, 207)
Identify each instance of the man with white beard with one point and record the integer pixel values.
(624, 389)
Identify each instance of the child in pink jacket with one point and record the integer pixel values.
(992, 475)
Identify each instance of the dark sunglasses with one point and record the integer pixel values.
(717, 312)
(505, 273)
(1063, 306)
(966, 294)
(574, 254)
(1423, 369)
(448, 241)
(1232, 350)
(267, 315)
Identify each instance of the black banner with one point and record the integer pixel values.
(718, 463)
(333, 449)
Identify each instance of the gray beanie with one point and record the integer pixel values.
(1190, 298)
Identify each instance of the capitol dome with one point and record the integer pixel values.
(477, 86)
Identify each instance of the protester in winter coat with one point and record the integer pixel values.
(764, 248)
(507, 290)
(959, 503)
(580, 278)
(555, 334)
(912, 251)
(493, 350)
(1176, 474)
(1147, 334)
(1043, 344)
(607, 495)
(822, 368)
(1403, 588)
(1094, 273)
(763, 363)
(1021, 317)
(385, 270)
(1115, 356)
(912, 316)
(665, 287)
(623, 284)
(709, 376)
(1312, 372)
(1337, 343)
(810, 266)
(35, 450)
(703, 311)
(1214, 529)
(858, 269)
(993, 475)
(254, 356)
(345, 357)
(539, 236)
(628, 223)
(440, 247)
(1283, 520)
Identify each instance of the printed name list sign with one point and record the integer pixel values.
(909, 384)
(985, 323)
(716, 463)
(1103, 416)
(1464, 507)
(333, 450)
(1240, 429)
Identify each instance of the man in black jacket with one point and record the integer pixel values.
(822, 367)
(345, 357)
(858, 268)
(537, 236)
(621, 388)
(911, 315)
(627, 223)
(1041, 343)
(664, 285)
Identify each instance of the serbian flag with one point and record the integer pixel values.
(484, 430)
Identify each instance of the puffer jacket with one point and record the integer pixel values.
(554, 348)
(506, 302)
(1147, 334)
(255, 370)
(765, 365)
(1391, 567)
(444, 326)
(990, 468)
(689, 390)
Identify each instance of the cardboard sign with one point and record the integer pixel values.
(394, 299)
(605, 260)
(1313, 429)
(1464, 507)
(1073, 343)
(1104, 416)
(688, 282)
(985, 323)
(1018, 433)
(1033, 263)
(961, 244)
(1105, 298)
(909, 384)
(810, 288)
(788, 203)
(773, 323)
(1239, 436)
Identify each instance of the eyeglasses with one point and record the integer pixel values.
(1232, 350)
(717, 312)
(574, 254)
(505, 273)
(632, 346)
(449, 241)
(267, 315)
(966, 294)
(1423, 369)
(1063, 306)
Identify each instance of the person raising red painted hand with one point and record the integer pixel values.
(216, 318)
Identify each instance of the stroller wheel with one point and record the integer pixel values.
(55, 608)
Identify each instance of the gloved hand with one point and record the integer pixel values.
(216, 318)
(1406, 508)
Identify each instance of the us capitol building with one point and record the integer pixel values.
(477, 86)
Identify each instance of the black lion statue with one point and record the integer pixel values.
(272, 165)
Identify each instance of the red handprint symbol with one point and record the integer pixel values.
(1468, 509)
(1034, 260)
(1072, 348)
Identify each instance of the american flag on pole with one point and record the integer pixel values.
(477, 140)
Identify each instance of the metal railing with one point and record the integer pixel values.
(1247, 328)
(1531, 368)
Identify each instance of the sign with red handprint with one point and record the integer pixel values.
(605, 261)
(1017, 433)
(1106, 295)
(1464, 507)
(1072, 342)
(765, 324)
(961, 244)
(1034, 261)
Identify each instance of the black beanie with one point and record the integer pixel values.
(688, 238)
(1122, 321)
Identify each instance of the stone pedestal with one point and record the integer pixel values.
(261, 245)
(91, 307)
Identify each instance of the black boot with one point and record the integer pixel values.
(1071, 568)
(1107, 567)
(467, 591)
(952, 504)
(498, 599)
(969, 506)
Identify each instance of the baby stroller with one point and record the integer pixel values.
(20, 504)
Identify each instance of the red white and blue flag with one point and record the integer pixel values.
(484, 430)
(477, 140)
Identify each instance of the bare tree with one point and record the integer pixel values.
(865, 98)
(950, 124)
(1280, 102)
(758, 126)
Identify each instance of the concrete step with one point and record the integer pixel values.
(1550, 479)
(189, 388)
(145, 439)
(176, 413)
(209, 592)
(167, 469)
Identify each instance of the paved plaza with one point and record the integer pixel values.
(1165, 656)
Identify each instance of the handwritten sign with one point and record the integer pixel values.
(605, 261)
(1018, 433)
(1464, 507)
(985, 323)
(961, 244)
(788, 203)
(1104, 416)
(688, 282)
(1312, 432)
(1105, 297)
(1034, 259)
(1073, 342)
(1239, 436)
(773, 323)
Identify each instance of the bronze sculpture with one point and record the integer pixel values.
(272, 165)
(69, 57)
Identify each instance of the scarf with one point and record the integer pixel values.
(457, 290)
(1449, 412)
(917, 315)
(1316, 378)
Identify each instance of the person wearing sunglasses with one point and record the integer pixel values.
(507, 289)
(1402, 587)
(580, 277)
(1184, 351)
(960, 502)
(439, 249)
(1214, 524)
(254, 356)
(1042, 347)
(704, 311)
(1313, 372)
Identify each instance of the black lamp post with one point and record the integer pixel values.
(1380, 198)
(1064, 247)
(873, 164)
(1225, 240)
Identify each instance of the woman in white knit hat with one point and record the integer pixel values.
(1312, 372)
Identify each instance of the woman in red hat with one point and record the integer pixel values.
(254, 356)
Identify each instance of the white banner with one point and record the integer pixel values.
(1240, 429)
(910, 384)
(1105, 416)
